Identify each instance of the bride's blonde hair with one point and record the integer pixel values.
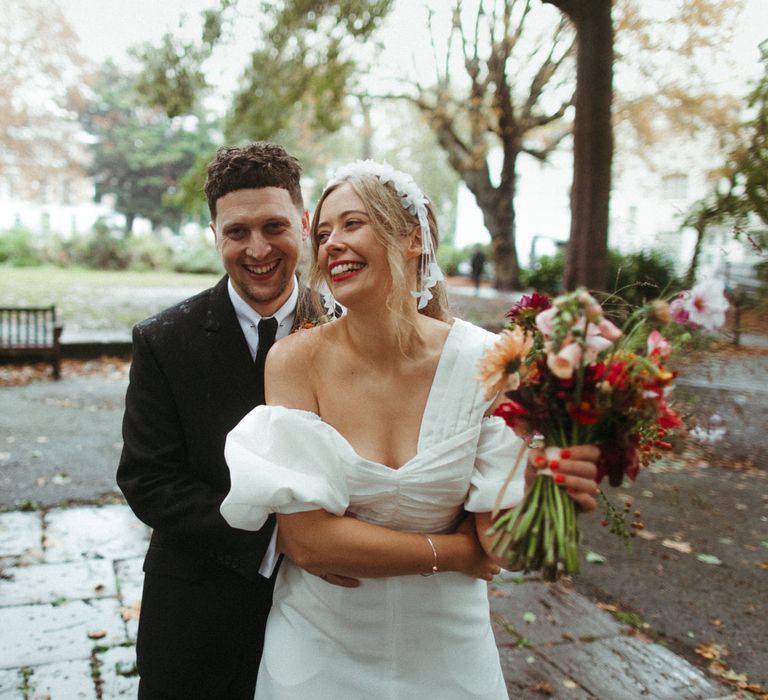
(390, 222)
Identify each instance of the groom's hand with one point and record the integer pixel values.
(343, 581)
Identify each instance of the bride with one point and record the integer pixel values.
(379, 455)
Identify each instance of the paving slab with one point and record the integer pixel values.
(49, 583)
(532, 677)
(119, 678)
(40, 634)
(10, 680)
(626, 668)
(65, 680)
(21, 536)
(541, 612)
(98, 532)
(130, 584)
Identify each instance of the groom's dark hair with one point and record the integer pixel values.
(259, 164)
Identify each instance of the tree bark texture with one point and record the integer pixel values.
(587, 253)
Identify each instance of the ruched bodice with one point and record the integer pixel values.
(325, 641)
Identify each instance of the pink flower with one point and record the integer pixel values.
(658, 345)
(565, 362)
(596, 342)
(706, 305)
(677, 310)
(545, 318)
(609, 330)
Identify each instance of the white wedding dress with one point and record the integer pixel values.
(392, 638)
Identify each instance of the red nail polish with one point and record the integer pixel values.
(554, 464)
(559, 478)
(565, 454)
(539, 461)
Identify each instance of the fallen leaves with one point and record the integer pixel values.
(105, 366)
(131, 611)
(682, 547)
(709, 559)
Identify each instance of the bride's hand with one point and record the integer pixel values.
(478, 563)
(573, 467)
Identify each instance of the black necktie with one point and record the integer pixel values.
(267, 333)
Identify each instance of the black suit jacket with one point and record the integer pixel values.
(204, 605)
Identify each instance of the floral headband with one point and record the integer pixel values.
(413, 200)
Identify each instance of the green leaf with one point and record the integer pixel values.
(529, 617)
(594, 558)
(709, 559)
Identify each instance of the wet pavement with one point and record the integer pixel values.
(70, 577)
(70, 592)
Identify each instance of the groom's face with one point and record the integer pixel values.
(259, 233)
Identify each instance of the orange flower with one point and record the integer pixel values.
(500, 366)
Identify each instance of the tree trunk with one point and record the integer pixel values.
(587, 253)
(690, 274)
(498, 207)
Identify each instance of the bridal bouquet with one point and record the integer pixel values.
(571, 376)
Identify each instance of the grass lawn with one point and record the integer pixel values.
(98, 299)
(113, 301)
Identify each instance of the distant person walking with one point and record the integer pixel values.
(477, 263)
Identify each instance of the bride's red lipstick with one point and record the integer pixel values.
(349, 273)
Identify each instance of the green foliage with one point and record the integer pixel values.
(100, 250)
(743, 192)
(299, 72)
(449, 258)
(640, 277)
(140, 154)
(198, 256)
(18, 248)
(547, 274)
(635, 277)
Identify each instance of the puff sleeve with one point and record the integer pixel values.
(282, 461)
(498, 449)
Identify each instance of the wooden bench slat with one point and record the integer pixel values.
(31, 331)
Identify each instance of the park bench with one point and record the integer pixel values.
(31, 332)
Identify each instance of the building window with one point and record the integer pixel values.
(674, 186)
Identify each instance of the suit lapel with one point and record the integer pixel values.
(230, 347)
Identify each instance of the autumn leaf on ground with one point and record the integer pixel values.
(494, 592)
(710, 650)
(97, 634)
(131, 611)
(647, 535)
(683, 547)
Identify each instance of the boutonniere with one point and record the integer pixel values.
(312, 323)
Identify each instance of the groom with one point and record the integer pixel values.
(197, 369)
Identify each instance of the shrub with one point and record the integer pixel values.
(197, 256)
(19, 248)
(635, 277)
(449, 258)
(147, 253)
(547, 274)
(640, 277)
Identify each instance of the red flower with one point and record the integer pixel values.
(617, 374)
(511, 412)
(584, 413)
(669, 418)
(523, 313)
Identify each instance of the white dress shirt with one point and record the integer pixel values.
(249, 318)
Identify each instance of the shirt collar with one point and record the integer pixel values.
(249, 316)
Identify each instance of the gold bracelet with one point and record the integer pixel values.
(434, 555)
